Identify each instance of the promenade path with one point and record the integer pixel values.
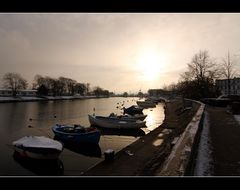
(225, 142)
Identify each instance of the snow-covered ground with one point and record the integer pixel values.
(30, 98)
(237, 118)
(19, 99)
(8, 98)
(204, 158)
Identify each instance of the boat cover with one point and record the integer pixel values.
(38, 142)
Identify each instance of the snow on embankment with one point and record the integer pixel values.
(179, 160)
(204, 160)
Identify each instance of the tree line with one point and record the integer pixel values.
(48, 86)
(198, 81)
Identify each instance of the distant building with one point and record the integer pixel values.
(7, 92)
(159, 93)
(234, 86)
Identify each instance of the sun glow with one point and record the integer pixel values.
(150, 64)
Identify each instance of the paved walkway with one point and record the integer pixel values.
(225, 138)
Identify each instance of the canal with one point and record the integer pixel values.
(37, 118)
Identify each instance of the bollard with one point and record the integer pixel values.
(109, 155)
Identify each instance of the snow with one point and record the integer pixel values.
(204, 158)
(7, 98)
(38, 142)
(237, 118)
(31, 98)
(181, 150)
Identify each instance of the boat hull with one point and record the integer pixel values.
(130, 117)
(39, 156)
(38, 147)
(146, 104)
(90, 137)
(113, 123)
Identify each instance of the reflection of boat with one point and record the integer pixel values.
(38, 147)
(114, 123)
(132, 110)
(123, 132)
(86, 149)
(40, 167)
(77, 133)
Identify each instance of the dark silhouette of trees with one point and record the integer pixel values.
(97, 91)
(198, 81)
(48, 83)
(42, 90)
(15, 82)
(106, 93)
(67, 85)
(87, 88)
(80, 88)
(125, 94)
(48, 86)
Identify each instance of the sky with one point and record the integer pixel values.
(120, 52)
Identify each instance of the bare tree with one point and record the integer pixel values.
(15, 82)
(227, 70)
(198, 81)
(38, 81)
(201, 67)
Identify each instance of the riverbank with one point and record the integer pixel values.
(45, 98)
(145, 156)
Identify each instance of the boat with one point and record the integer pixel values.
(38, 147)
(115, 123)
(77, 133)
(146, 104)
(127, 117)
(133, 110)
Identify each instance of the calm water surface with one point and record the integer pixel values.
(15, 122)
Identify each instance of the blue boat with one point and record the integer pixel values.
(77, 133)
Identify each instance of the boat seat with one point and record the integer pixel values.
(79, 128)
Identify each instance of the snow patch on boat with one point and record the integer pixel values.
(39, 142)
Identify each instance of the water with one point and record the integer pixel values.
(41, 116)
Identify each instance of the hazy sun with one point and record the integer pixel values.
(150, 63)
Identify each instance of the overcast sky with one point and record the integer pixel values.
(118, 52)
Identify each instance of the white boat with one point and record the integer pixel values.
(115, 123)
(146, 104)
(38, 147)
(128, 117)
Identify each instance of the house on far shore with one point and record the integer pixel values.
(8, 92)
(161, 93)
(222, 85)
